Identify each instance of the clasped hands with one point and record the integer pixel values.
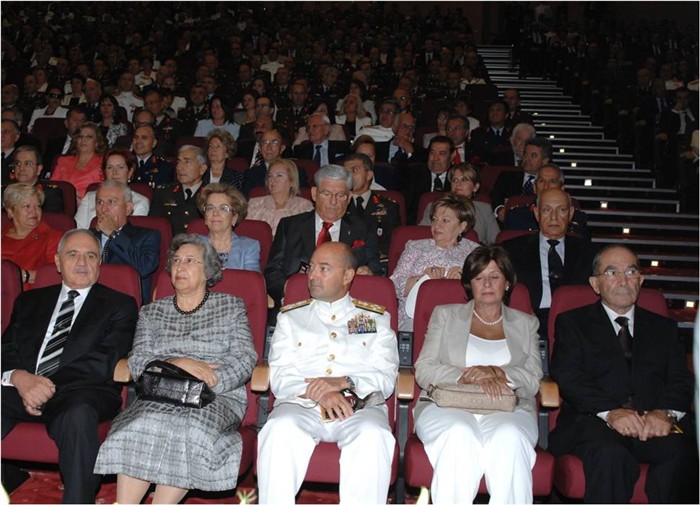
(35, 390)
(326, 391)
(630, 423)
(492, 379)
(200, 369)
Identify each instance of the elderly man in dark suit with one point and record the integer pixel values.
(298, 236)
(58, 358)
(550, 258)
(27, 167)
(319, 148)
(627, 391)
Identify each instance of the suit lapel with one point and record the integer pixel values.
(571, 255)
(309, 236)
(42, 317)
(75, 345)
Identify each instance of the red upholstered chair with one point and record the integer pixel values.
(310, 167)
(70, 203)
(200, 142)
(510, 234)
(238, 164)
(140, 187)
(60, 222)
(403, 234)
(11, 279)
(396, 196)
(29, 441)
(569, 479)
(257, 192)
(418, 471)
(249, 286)
(324, 466)
(45, 128)
(425, 200)
(251, 228)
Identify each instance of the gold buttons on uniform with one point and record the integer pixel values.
(333, 335)
(331, 357)
(329, 371)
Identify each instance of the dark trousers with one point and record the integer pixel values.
(611, 464)
(71, 421)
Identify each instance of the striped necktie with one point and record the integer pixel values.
(51, 357)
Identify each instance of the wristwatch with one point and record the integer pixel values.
(671, 416)
(351, 383)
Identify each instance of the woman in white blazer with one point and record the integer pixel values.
(353, 116)
(482, 342)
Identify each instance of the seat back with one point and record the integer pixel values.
(58, 221)
(310, 167)
(70, 203)
(45, 128)
(11, 282)
(251, 228)
(200, 142)
(425, 200)
(122, 278)
(490, 173)
(505, 235)
(396, 196)
(141, 188)
(239, 164)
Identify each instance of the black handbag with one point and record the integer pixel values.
(172, 384)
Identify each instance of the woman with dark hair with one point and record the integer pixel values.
(359, 88)
(221, 119)
(118, 165)
(245, 112)
(207, 334)
(482, 342)
(84, 165)
(220, 148)
(112, 124)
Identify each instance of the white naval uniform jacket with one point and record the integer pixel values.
(321, 339)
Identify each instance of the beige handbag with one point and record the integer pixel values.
(471, 397)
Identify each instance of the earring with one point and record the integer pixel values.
(507, 287)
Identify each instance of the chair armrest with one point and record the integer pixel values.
(549, 393)
(260, 380)
(405, 385)
(122, 372)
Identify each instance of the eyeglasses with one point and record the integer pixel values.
(461, 179)
(188, 261)
(54, 95)
(26, 164)
(631, 272)
(223, 208)
(273, 142)
(339, 196)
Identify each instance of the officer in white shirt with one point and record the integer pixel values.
(321, 347)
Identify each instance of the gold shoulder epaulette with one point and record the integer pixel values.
(372, 307)
(293, 306)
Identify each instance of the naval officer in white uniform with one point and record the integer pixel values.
(321, 347)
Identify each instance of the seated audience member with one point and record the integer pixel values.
(487, 343)
(123, 243)
(223, 208)
(221, 119)
(458, 131)
(168, 129)
(299, 349)
(613, 419)
(337, 133)
(220, 148)
(522, 133)
(151, 169)
(353, 116)
(117, 165)
(177, 201)
(29, 242)
(491, 144)
(10, 136)
(379, 212)
(359, 89)
(523, 217)
(84, 166)
(516, 115)
(208, 335)
(245, 111)
(388, 117)
(465, 180)
(298, 236)
(401, 148)
(53, 107)
(27, 166)
(270, 147)
(69, 392)
(435, 258)
(196, 109)
(112, 125)
(319, 147)
(283, 198)
(364, 144)
(550, 258)
(441, 120)
(537, 152)
(60, 146)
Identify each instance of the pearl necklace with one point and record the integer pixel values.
(488, 323)
(188, 312)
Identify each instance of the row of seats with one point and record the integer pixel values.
(564, 473)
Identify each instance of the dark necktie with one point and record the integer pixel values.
(188, 193)
(529, 186)
(437, 184)
(141, 166)
(624, 336)
(317, 155)
(556, 267)
(51, 357)
(325, 235)
(358, 204)
(259, 160)
(105, 249)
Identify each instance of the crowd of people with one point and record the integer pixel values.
(331, 126)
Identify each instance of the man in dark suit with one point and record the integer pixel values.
(26, 169)
(10, 135)
(122, 242)
(537, 152)
(318, 147)
(492, 143)
(67, 384)
(425, 178)
(515, 113)
(297, 236)
(534, 255)
(627, 391)
(151, 169)
(402, 148)
(60, 146)
(379, 212)
(271, 147)
(178, 200)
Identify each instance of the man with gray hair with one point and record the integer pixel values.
(298, 236)
(122, 242)
(178, 200)
(319, 148)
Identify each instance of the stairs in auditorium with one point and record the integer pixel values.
(623, 203)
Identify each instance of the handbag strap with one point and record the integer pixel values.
(158, 363)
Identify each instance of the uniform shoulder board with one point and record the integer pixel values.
(372, 307)
(293, 306)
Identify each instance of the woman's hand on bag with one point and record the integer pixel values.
(475, 374)
(492, 388)
(200, 369)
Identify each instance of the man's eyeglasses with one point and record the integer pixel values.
(631, 272)
(328, 195)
